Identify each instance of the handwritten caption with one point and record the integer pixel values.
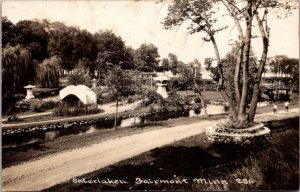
(175, 181)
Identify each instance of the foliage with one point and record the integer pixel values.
(283, 66)
(174, 101)
(197, 100)
(173, 63)
(162, 113)
(65, 110)
(111, 49)
(80, 76)
(35, 105)
(172, 84)
(120, 83)
(229, 70)
(34, 37)
(99, 94)
(48, 73)
(9, 32)
(17, 70)
(165, 64)
(154, 98)
(146, 58)
(200, 17)
(70, 44)
(196, 11)
(186, 78)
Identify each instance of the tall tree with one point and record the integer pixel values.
(17, 70)
(111, 49)
(60, 43)
(173, 62)
(146, 57)
(120, 83)
(165, 64)
(80, 75)
(34, 37)
(9, 32)
(48, 72)
(201, 17)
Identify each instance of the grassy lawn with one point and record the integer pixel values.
(207, 95)
(195, 162)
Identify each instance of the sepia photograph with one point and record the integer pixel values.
(150, 95)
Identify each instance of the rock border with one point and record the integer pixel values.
(217, 133)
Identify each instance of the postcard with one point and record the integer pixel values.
(185, 95)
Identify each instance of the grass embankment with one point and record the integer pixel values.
(272, 167)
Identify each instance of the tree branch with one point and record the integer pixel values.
(233, 14)
(232, 3)
(265, 38)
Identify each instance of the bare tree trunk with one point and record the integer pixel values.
(265, 39)
(116, 114)
(237, 74)
(203, 105)
(237, 90)
(243, 104)
(220, 84)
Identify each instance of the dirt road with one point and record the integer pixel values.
(57, 168)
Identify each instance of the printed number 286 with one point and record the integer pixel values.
(244, 181)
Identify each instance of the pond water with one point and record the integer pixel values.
(211, 110)
(31, 138)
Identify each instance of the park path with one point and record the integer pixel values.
(109, 109)
(58, 168)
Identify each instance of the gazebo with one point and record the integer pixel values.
(161, 85)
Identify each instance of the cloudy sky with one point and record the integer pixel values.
(139, 22)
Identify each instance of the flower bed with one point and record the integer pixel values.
(218, 133)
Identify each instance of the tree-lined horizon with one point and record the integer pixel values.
(53, 47)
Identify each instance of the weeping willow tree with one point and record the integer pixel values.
(17, 70)
(48, 73)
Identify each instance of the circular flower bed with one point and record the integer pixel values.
(218, 133)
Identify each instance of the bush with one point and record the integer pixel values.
(197, 100)
(63, 109)
(23, 105)
(12, 118)
(35, 105)
(130, 100)
(45, 92)
(161, 113)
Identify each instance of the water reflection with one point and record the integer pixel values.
(130, 121)
(211, 110)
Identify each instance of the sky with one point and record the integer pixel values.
(139, 22)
